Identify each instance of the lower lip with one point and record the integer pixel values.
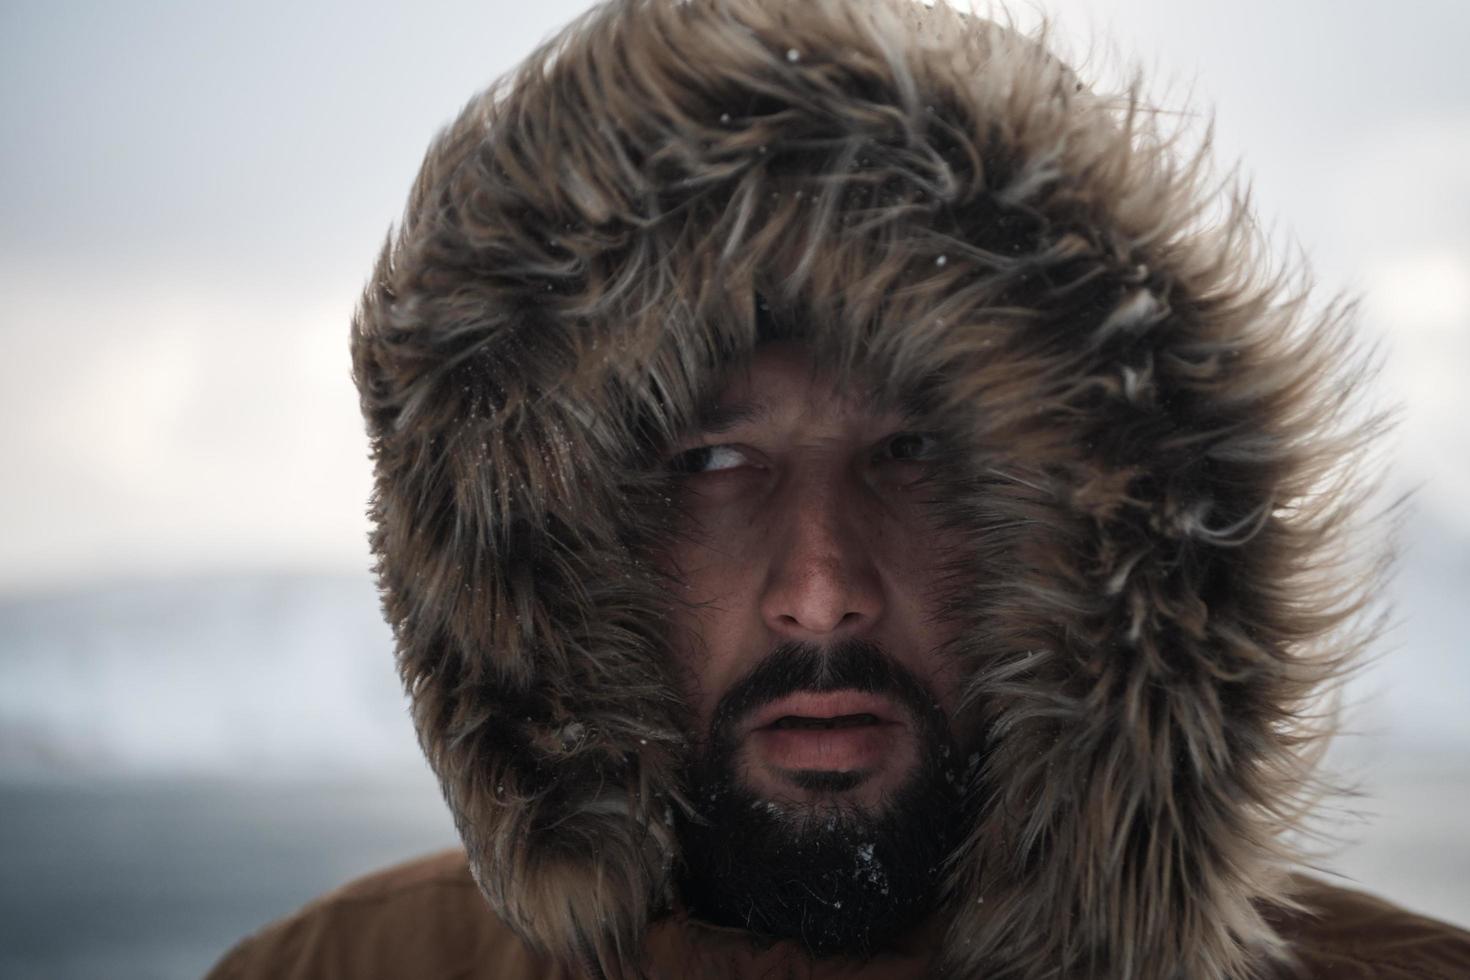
(826, 749)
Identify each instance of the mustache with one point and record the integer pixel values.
(851, 665)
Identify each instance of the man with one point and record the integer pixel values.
(842, 513)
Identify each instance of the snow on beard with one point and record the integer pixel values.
(839, 878)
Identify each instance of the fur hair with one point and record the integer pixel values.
(1151, 492)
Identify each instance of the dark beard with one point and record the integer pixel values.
(841, 880)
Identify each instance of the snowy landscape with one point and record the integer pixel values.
(183, 761)
(200, 723)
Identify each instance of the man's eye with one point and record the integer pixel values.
(707, 459)
(910, 446)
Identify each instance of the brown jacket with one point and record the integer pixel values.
(426, 920)
(1148, 440)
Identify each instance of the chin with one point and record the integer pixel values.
(795, 790)
(840, 862)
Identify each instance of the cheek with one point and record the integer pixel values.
(718, 548)
(707, 621)
(919, 557)
(913, 551)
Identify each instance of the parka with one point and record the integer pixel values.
(428, 920)
(1151, 475)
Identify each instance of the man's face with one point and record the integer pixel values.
(808, 645)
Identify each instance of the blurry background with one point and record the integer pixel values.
(200, 726)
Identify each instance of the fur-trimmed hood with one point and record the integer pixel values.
(1147, 416)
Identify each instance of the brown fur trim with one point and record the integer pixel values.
(1152, 487)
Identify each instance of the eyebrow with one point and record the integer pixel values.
(714, 420)
(717, 419)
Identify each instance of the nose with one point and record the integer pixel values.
(822, 582)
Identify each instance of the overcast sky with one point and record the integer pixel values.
(191, 196)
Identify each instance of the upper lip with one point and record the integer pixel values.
(827, 704)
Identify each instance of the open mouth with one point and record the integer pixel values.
(827, 710)
(840, 721)
(827, 731)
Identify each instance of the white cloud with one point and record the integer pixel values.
(175, 387)
(161, 428)
(1402, 211)
(1426, 296)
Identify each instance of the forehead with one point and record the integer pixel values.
(783, 382)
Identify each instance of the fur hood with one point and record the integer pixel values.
(1148, 487)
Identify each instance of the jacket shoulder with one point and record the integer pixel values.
(425, 918)
(1344, 933)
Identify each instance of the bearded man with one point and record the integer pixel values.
(844, 511)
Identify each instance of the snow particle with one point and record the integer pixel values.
(941, 260)
(793, 55)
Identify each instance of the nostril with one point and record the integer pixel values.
(813, 595)
(815, 623)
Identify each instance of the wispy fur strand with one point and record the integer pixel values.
(1150, 488)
